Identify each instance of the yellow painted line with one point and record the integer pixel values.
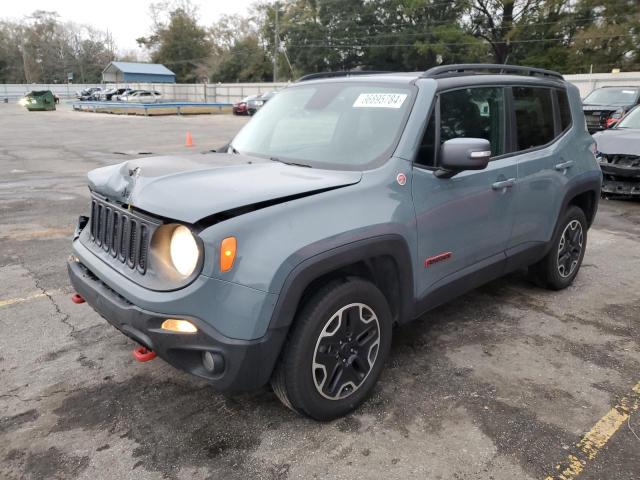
(13, 301)
(597, 437)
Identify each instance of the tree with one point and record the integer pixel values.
(41, 49)
(410, 35)
(498, 21)
(88, 52)
(240, 55)
(11, 60)
(609, 36)
(245, 61)
(179, 43)
(319, 35)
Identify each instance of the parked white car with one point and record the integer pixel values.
(142, 96)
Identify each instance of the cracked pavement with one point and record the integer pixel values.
(499, 384)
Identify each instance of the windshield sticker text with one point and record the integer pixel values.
(380, 100)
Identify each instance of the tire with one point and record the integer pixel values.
(559, 267)
(320, 377)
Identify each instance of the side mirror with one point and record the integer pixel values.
(459, 154)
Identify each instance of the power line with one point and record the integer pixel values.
(429, 23)
(240, 50)
(452, 44)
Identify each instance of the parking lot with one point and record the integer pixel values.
(502, 383)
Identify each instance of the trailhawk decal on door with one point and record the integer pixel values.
(380, 100)
(441, 257)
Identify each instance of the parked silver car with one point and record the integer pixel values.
(141, 96)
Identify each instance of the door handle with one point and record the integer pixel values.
(504, 184)
(564, 165)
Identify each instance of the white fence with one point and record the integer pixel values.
(232, 92)
(587, 82)
(183, 92)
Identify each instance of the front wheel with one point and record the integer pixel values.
(336, 352)
(559, 267)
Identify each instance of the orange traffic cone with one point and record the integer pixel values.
(189, 141)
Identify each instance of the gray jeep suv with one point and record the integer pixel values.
(346, 206)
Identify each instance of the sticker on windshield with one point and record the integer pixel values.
(629, 92)
(380, 100)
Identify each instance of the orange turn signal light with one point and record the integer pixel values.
(227, 253)
(179, 326)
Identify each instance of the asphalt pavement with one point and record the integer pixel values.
(507, 382)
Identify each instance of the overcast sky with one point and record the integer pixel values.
(125, 19)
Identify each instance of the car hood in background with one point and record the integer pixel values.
(618, 141)
(604, 108)
(191, 187)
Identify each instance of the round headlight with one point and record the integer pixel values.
(184, 251)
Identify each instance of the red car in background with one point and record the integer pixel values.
(241, 108)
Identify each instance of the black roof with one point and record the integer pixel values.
(479, 72)
(488, 68)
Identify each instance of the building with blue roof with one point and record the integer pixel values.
(129, 72)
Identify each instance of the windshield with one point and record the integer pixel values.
(329, 125)
(612, 96)
(631, 120)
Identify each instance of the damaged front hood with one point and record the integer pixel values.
(191, 187)
(618, 141)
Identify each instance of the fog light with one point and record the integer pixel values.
(212, 362)
(180, 326)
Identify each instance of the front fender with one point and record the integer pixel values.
(272, 241)
(325, 261)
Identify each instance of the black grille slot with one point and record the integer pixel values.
(144, 241)
(133, 235)
(122, 234)
(101, 225)
(122, 240)
(94, 217)
(114, 234)
(108, 231)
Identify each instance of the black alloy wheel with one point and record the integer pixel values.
(346, 351)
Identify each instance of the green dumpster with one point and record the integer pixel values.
(38, 100)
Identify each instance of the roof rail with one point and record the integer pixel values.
(341, 73)
(469, 68)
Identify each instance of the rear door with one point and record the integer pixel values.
(463, 223)
(541, 161)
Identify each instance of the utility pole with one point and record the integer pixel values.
(275, 47)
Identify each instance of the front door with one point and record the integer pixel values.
(464, 223)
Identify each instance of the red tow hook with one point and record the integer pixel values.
(75, 298)
(143, 354)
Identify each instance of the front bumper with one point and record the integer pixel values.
(246, 364)
(620, 180)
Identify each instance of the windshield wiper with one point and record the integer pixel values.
(233, 150)
(276, 159)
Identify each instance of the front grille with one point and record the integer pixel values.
(596, 119)
(122, 234)
(594, 122)
(623, 160)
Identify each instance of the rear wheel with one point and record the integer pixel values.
(336, 352)
(559, 267)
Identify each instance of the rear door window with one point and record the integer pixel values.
(534, 117)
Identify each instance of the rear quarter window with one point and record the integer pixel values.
(565, 110)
